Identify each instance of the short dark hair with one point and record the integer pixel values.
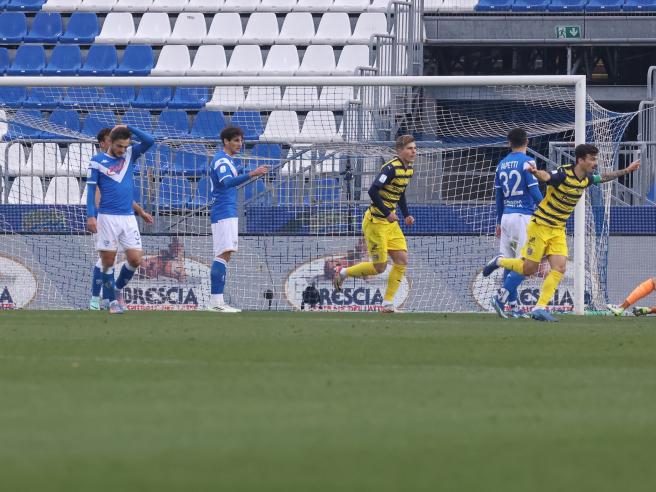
(583, 150)
(102, 134)
(119, 134)
(517, 137)
(230, 132)
(404, 140)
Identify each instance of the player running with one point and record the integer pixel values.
(380, 225)
(225, 177)
(517, 193)
(116, 225)
(642, 290)
(546, 229)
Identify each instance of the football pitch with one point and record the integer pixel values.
(325, 402)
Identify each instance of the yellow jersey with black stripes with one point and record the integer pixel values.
(391, 181)
(564, 190)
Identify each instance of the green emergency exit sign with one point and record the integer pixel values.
(568, 32)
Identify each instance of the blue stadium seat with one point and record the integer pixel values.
(137, 60)
(97, 120)
(172, 123)
(101, 60)
(190, 163)
(29, 60)
(13, 27)
(190, 98)
(493, 5)
(13, 97)
(152, 97)
(252, 190)
(4, 60)
(203, 194)
(640, 6)
(208, 124)
(45, 98)
(139, 118)
(327, 190)
(266, 154)
(66, 59)
(174, 193)
(67, 119)
(82, 28)
(46, 28)
(158, 157)
(25, 5)
(81, 97)
(17, 130)
(566, 6)
(604, 6)
(117, 96)
(250, 122)
(529, 6)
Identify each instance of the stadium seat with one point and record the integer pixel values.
(530, 5)
(203, 194)
(96, 5)
(262, 28)
(281, 60)
(13, 27)
(189, 164)
(117, 29)
(319, 126)
(169, 5)
(567, 6)
(276, 5)
(26, 190)
(25, 5)
(101, 60)
(313, 5)
(334, 28)
(61, 5)
(173, 60)
(154, 28)
(368, 24)
(4, 60)
(137, 60)
(263, 97)
(46, 28)
(82, 28)
(318, 60)
(250, 122)
(190, 28)
(349, 6)
(66, 59)
(97, 120)
(174, 193)
(352, 57)
(209, 60)
(326, 190)
(139, 118)
(302, 98)
(208, 124)
(266, 154)
(282, 126)
(245, 60)
(12, 158)
(383, 5)
(158, 157)
(240, 5)
(44, 98)
(66, 120)
(44, 159)
(604, 5)
(132, 5)
(81, 97)
(457, 6)
(117, 96)
(63, 191)
(152, 97)
(640, 6)
(297, 29)
(172, 124)
(12, 97)
(225, 29)
(335, 98)
(189, 98)
(227, 98)
(77, 158)
(26, 123)
(493, 5)
(29, 60)
(204, 5)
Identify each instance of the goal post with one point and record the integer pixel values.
(323, 169)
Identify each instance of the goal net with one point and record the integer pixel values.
(324, 145)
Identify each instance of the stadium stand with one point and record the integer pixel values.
(82, 28)
(25, 5)
(26, 190)
(226, 28)
(154, 28)
(262, 29)
(118, 28)
(334, 28)
(44, 98)
(263, 98)
(317, 60)
(190, 28)
(189, 98)
(209, 60)
(281, 60)
(62, 191)
(172, 60)
(137, 60)
(297, 29)
(101, 60)
(46, 28)
(227, 98)
(29, 60)
(13, 27)
(245, 60)
(64, 60)
(61, 5)
(13, 97)
(172, 124)
(208, 124)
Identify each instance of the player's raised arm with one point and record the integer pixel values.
(146, 141)
(540, 174)
(634, 166)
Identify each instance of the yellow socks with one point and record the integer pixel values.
(514, 264)
(364, 269)
(394, 281)
(549, 287)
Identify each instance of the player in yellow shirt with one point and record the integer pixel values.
(546, 230)
(380, 225)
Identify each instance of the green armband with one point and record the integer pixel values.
(596, 178)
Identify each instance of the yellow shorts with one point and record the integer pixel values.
(542, 240)
(382, 237)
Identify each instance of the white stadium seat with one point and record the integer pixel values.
(282, 126)
(297, 28)
(352, 56)
(117, 29)
(173, 60)
(204, 6)
(240, 5)
(209, 60)
(132, 5)
(83, 200)
(334, 28)
(17, 158)
(383, 5)
(313, 5)
(282, 60)
(227, 98)
(276, 5)
(190, 28)
(335, 98)
(319, 59)
(44, 159)
(245, 60)
(155, 27)
(97, 5)
(458, 5)
(350, 5)
(263, 97)
(303, 98)
(262, 28)
(368, 24)
(26, 190)
(61, 5)
(169, 5)
(62, 191)
(77, 159)
(225, 29)
(319, 126)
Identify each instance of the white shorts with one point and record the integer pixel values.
(116, 231)
(225, 235)
(513, 234)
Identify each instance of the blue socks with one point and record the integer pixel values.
(97, 280)
(511, 283)
(218, 275)
(108, 284)
(127, 272)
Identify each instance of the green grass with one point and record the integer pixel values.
(309, 402)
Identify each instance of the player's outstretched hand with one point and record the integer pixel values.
(259, 171)
(634, 166)
(392, 217)
(147, 218)
(531, 169)
(92, 225)
(409, 220)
